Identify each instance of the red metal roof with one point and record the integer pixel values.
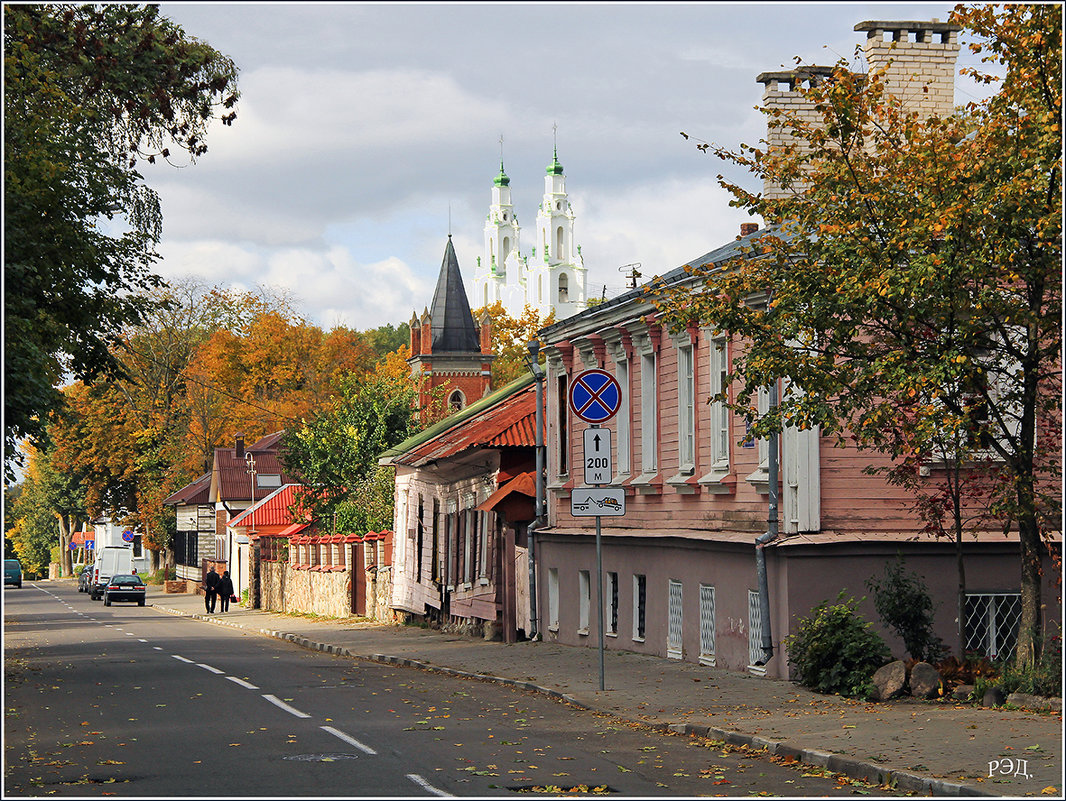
(273, 510)
(234, 482)
(509, 423)
(523, 483)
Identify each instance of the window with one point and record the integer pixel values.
(648, 414)
(559, 250)
(268, 480)
(719, 370)
(685, 410)
(621, 373)
(553, 599)
(563, 412)
(674, 621)
(419, 539)
(137, 545)
(435, 555)
(540, 289)
(707, 655)
(473, 547)
(456, 401)
(564, 289)
(584, 600)
(483, 546)
(763, 443)
(506, 246)
(640, 599)
(612, 603)
(992, 623)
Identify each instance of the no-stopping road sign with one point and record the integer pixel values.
(595, 396)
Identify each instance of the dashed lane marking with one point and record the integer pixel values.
(282, 705)
(366, 749)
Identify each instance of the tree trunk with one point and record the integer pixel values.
(66, 527)
(1028, 650)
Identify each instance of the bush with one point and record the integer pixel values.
(903, 604)
(1042, 678)
(835, 651)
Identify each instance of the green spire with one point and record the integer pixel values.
(555, 168)
(502, 179)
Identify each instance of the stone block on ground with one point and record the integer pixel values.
(962, 692)
(993, 697)
(925, 681)
(888, 681)
(1035, 702)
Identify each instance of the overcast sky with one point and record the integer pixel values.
(361, 125)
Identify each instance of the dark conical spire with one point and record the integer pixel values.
(452, 324)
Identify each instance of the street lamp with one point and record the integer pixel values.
(532, 361)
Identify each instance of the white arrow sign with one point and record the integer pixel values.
(598, 468)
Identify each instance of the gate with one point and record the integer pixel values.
(674, 648)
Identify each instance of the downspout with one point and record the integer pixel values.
(538, 521)
(769, 536)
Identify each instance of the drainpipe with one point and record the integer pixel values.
(762, 540)
(539, 517)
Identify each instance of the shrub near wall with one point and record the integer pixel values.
(835, 651)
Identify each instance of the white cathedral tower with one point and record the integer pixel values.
(553, 275)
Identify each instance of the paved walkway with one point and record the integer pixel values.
(941, 748)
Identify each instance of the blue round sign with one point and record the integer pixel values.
(127, 535)
(595, 396)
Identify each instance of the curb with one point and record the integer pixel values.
(838, 763)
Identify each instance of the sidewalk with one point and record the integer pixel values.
(928, 747)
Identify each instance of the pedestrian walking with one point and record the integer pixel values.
(211, 581)
(225, 591)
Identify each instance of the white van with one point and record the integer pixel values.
(112, 560)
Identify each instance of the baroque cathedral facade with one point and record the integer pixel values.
(552, 277)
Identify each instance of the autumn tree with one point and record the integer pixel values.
(510, 337)
(90, 93)
(909, 287)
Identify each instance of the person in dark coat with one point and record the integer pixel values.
(211, 581)
(225, 590)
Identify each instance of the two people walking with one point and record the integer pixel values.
(217, 588)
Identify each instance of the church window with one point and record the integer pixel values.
(559, 242)
(558, 205)
(540, 289)
(506, 247)
(485, 295)
(505, 216)
(456, 401)
(564, 291)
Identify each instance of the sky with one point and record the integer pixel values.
(366, 133)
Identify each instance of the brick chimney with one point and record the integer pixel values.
(240, 446)
(416, 335)
(747, 229)
(919, 62)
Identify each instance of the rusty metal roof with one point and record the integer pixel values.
(193, 493)
(231, 481)
(507, 423)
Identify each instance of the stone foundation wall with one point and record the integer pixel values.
(328, 594)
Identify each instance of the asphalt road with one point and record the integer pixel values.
(128, 701)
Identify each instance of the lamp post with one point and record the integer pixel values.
(533, 363)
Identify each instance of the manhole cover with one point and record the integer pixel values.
(320, 757)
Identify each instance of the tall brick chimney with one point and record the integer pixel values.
(239, 444)
(919, 59)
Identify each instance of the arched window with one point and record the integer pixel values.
(559, 251)
(506, 247)
(564, 292)
(456, 401)
(485, 294)
(540, 289)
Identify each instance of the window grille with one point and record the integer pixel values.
(612, 599)
(553, 598)
(707, 651)
(674, 621)
(640, 599)
(754, 628)
(992, 623)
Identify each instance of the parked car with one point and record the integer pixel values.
(125, 588)
(85, 577)
(12, 572)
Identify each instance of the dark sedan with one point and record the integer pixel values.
(124, 588)
(85, 577)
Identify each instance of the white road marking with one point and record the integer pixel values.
(282, 705)
(366, 749)
(242, 682)
(183, 659)
(140, 640)
(208, 667)
(156, 647)
(426, 785)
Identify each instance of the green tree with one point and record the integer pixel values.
(335, 453)
(90, 92)
(910, 285)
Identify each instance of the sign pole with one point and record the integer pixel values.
(599, 592)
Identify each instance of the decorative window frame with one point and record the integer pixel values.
(721, 418)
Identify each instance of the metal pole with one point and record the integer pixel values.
(599, 592)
